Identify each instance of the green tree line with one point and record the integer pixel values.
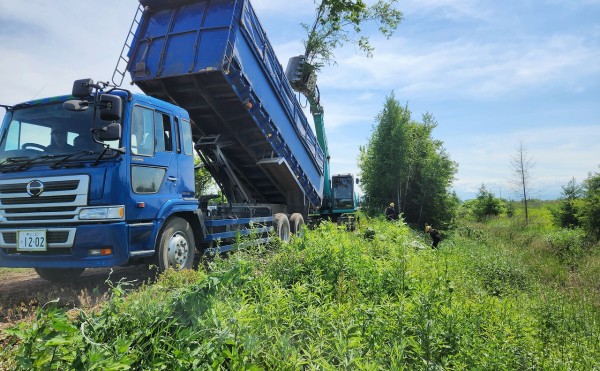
(577, 208)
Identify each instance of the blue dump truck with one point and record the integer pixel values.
(105, 177)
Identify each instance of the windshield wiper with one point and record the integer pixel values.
(42, 157)
(72, 156)
(13, 160)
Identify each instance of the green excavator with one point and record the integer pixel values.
(340, 201)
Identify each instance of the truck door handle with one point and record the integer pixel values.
(172, 179)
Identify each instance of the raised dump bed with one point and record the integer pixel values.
(213, 59)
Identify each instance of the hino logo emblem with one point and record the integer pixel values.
(35, 188)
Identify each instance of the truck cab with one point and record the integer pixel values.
(89, 181)
(104, 177)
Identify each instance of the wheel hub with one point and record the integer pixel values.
(178, 250)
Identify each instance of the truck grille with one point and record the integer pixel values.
(64, 185)
(59, 202)
(47, 200)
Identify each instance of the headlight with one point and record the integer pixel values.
(102, 213)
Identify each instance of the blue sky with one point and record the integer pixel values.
(493, 74)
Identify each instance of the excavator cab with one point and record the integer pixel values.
(343, 192)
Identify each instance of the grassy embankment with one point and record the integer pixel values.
(495, 296)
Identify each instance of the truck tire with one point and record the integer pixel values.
(176, 245)
(59, 274)
(282, 227)
(297, 224)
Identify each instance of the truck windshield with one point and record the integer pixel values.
(45, 133)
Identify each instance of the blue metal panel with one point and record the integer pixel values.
(178, 41)
(224, 222)
(211, 57)
(233, 234)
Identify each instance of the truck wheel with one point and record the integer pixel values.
(59, 274)
(297, 224)
(282, 227)
(176, 245)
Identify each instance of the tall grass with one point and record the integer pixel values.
(376, 298)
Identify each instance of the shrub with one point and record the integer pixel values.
(486, 205)
(566, 215)
(500, 277)
(567, 244)
(590, 205)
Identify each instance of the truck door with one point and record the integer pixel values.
(154, 171)
(185, 160)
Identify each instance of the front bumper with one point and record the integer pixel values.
(69, 247)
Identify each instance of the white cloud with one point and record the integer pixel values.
(575, 3)
(449, 9)
(55, 45)
(284, 51)
(558, 154)
(295, 9)
(469, 69)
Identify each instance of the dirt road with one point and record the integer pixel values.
(22, 291)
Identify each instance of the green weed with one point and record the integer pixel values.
(335, 299)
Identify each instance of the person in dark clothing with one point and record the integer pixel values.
(434, 234)
(390, 212)
(58, 142)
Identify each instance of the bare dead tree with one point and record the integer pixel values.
(522, 164)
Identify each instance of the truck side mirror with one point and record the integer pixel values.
(82, 88)
(110, 107)
(110, 132)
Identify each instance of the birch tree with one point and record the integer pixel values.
(522, 164)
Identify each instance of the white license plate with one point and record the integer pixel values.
(32, 240)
